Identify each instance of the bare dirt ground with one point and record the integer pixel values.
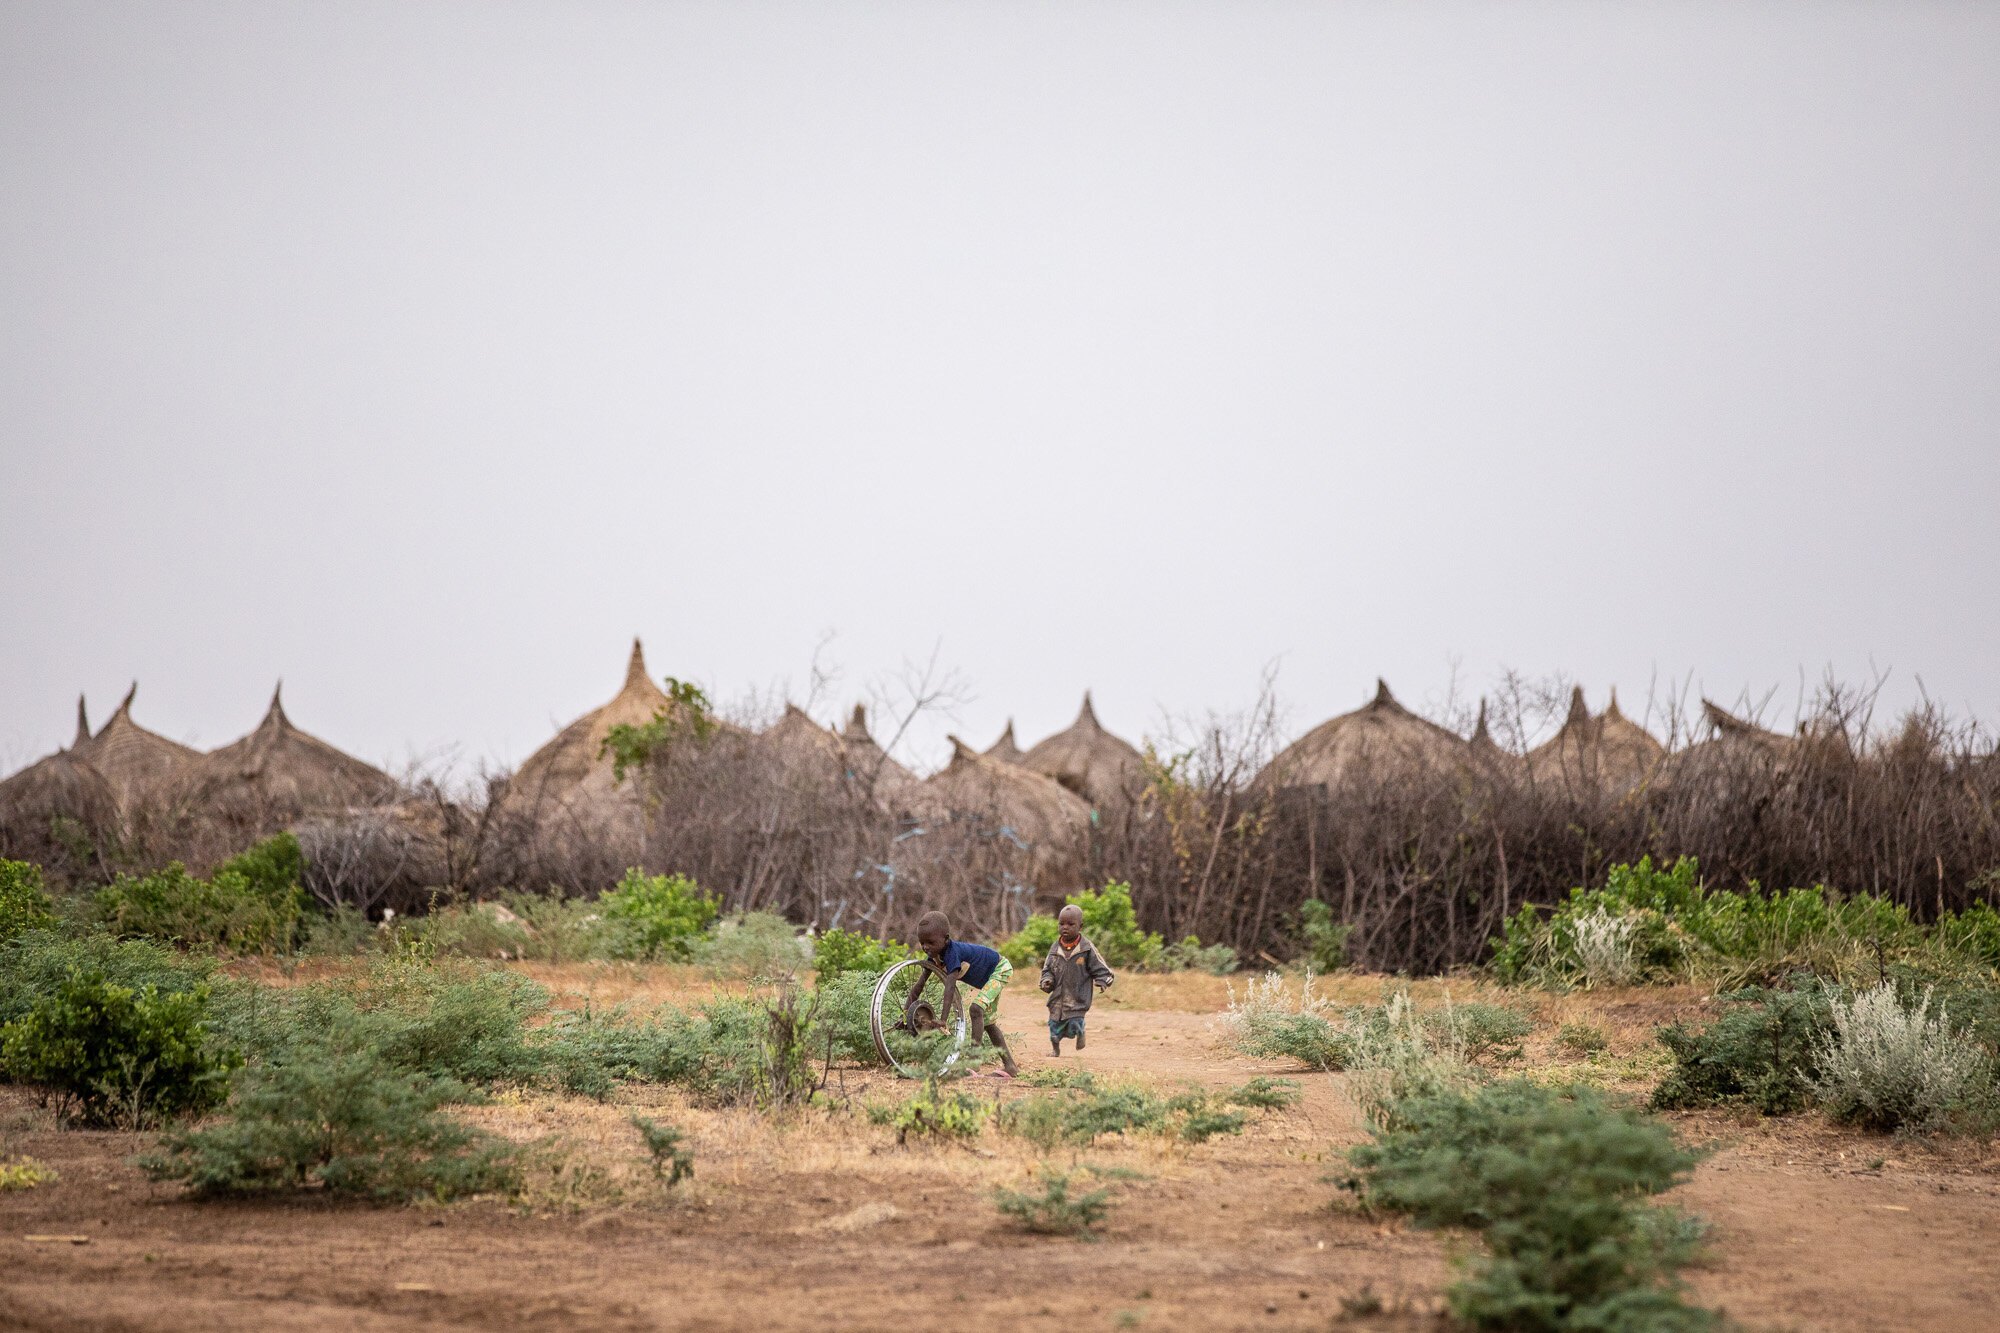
(829, 1223)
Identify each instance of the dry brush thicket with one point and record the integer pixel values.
(1419, 840)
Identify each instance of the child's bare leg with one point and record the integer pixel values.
(1079, 1039)
(993, 1034)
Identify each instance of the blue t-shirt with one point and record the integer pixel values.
(982, 959)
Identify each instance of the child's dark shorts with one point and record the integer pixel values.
(1066, 1027)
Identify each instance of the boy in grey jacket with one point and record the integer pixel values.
(1069, 973)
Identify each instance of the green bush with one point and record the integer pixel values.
(1759, 1051)
(1324, 938)
(24, 1173)
(838, 951)
(935, 1114)
(345, 1120)
(1582, 1038)
(1078, 1108)
(1556, 1183)
(1663, 925)
(1886, 1064)
(24, 904)
(760, 946)
(1108, 922)
(247, 906)
(1051, 1210)
(1191, 955)
(35, 963)
(1273, 1094)
(673, 1160)
(113, 1055)
(659, 916)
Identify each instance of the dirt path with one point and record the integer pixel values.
(785, 1232)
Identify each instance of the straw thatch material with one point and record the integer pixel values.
(61, 785)
(280, 773)
(803, 748)
(886, 780)
(1090, 761)
(1488, 755)
(1376, 743)
(138, 763)
(1038, 810)
(1606, 752)
(1005, 750)
(576, 752)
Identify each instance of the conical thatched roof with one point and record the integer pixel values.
(135, 761)
(1037, 809)
(575, 753)
(805, 748)
(887, 780)
(1487, 754)
(1735, 748)
(1091, 762)
(1376, 742)
(1005, 750)
(62, 784)
(1604, 751)
(279, 772)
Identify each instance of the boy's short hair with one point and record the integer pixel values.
(937, 920)
(1067, 909)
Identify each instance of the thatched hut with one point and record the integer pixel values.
(1004, 750)
(1037, 810)
(1376, 743)
(1090, 761)
(278, 774)
(803, 749)
(885, 779)
(1488, 756)
(139, 764)
(63, 785)
(1607, 752)
(576, 753)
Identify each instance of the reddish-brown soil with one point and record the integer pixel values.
(781, 1231)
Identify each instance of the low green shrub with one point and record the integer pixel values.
(1052, 1210)
(1887, 1064)
(1761, 1051)
(252, 903)
(1556, 1183)
(1274, 1094)
(113, 1055)
(837, 952)
(24, 904)
(672, 1159)
(1076, 1111)
(935, 1114)
(1581, 1038)
(759, 946)
(1270, 1022)
(1325, 939)
(657, 916)
(24, 1173)
(1478, 1031)
(1109, 922)
(1191, 955)
(34, 963)
(345, 1120)
(1649, 924)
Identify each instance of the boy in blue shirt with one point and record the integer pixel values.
(977, 966)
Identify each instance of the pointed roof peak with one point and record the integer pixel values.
(793, 710)
(274, 716)
(1611, 709)
(82, 724)
(635, 666)
(124, 708)
(1088, 714)
(1382, 694)
(1008, 734)
(1579, 712)
(857, 725)
(961, 752)
(1479, 732)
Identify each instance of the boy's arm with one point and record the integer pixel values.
(1049, 969)
(1100, 971)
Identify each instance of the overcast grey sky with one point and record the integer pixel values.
(421, 354)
